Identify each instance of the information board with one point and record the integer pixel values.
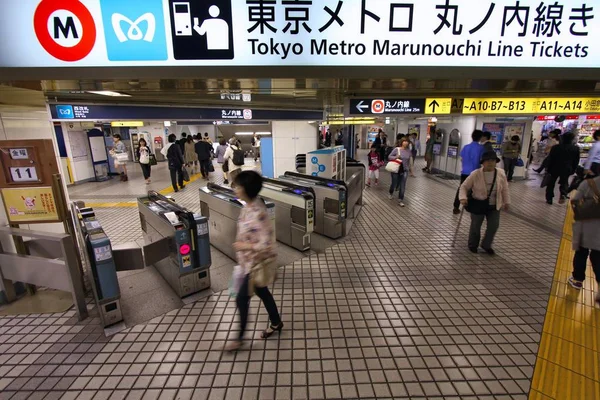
(30, 205)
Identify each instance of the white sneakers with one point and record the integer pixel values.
(390, 196)
(401, 204)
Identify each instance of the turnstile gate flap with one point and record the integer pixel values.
(128, 257)
(157, 250)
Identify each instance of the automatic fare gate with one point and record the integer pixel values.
(294, 212)
(330, 202)
(181, 251)
(223, 208)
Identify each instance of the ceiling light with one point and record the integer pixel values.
(263, 133)
(108, 93)
(244, 133)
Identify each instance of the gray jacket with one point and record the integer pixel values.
(586, 234)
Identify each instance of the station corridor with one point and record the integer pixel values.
(390, 311)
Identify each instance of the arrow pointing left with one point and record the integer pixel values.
(361, 106)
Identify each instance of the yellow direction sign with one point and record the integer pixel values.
(438, 106)
(538, 106)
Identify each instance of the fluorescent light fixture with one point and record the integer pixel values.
(244, 133)
(263, 133)
(167, 123)
(108, 93)
(127, 124)
(352, 122)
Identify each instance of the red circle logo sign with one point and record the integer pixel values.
(87, 35)
(378, 106)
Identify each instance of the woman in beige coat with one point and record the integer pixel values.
(488, 186)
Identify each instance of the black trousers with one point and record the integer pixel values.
(204, 167)
(176, 178)
(580, 263)
(456, 200)
(595, 168)
(146, 170)
(509, 167)
(243, 304)
(563, 182)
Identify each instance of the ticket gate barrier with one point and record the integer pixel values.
(222, 207)
(177, 243)
(294, 212)
(102, 268)
(330, 202)
(356, 174)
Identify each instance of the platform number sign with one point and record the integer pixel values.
(24, 174)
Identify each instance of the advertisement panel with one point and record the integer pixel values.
(30, 205)
(459, 33)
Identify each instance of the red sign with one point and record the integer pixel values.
(378, 107)
(66, 27)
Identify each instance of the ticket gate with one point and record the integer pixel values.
(102, 268)
(330, 202)
(177, 243)
(356, 174)
(222, 207)
(294, 212)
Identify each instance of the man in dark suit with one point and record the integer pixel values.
(203, 150)
(562, 163)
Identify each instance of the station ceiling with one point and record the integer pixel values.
(310, 94)
(299, 93)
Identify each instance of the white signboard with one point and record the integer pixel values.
(438, 33)
(23, 174)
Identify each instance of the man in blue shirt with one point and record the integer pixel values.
(471, 160)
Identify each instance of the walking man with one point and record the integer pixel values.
(562, 163)
(471, 160)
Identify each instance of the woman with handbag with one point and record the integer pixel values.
(255, 247)
(401, 156)
(484, 193)
(586, 232)
(143, 155)
(119, 153)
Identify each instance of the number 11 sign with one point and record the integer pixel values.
(24, 174)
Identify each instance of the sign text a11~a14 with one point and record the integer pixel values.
(436, 33)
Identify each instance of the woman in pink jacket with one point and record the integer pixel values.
(484, 194)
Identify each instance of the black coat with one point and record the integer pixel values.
(204, 150)
(563, 159)
(175, 157)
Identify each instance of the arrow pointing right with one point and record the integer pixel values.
(361, 106)
(434, 104)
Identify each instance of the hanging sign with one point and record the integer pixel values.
(549, 105)
(265, 33)
(386, 106)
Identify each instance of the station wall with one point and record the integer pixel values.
(291, 138)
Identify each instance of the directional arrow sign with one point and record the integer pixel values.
(438, 106)
(361, 106)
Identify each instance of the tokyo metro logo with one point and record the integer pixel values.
(65, 29)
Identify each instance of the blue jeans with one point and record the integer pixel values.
(399, 181)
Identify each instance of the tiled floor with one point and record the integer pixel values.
(392, 311)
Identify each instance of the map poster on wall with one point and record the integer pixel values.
(511, 130)
(497, 132)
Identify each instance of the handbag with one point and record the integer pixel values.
(520, 162)
(144, 159)
(152, 159)
(546, 180)
(395, 166)
(185, 174)
(235, 283)
(122, 157)
(588, 208)
(211, 167)
(480, 207)
(263, 274)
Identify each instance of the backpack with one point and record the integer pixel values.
(238, 157)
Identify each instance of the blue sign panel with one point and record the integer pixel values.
(64, 112)
(134, 30)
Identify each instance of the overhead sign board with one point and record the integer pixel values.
(386, 106)
(539, 106)
(438, 106)
(70, 112)
(459, 33)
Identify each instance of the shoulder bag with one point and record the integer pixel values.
(481, 207)
(588, 208)
(263, 274)
(152, 159)
(185, 174)
(395, 166)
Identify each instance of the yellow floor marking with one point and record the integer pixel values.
(568, 364)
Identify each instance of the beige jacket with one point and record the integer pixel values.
(476, 182)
